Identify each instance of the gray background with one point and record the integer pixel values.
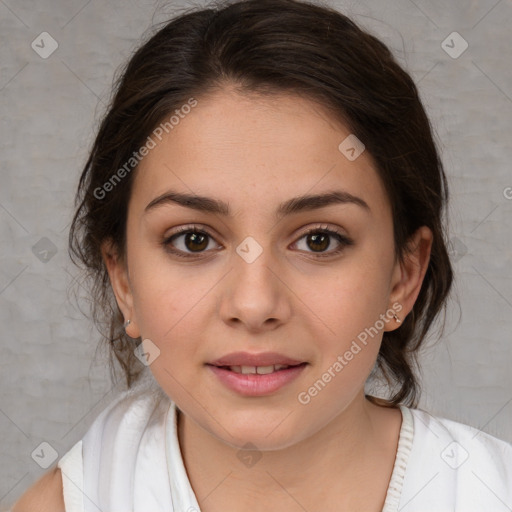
(53, 382)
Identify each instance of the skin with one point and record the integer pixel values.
(44, 496)
(252, 152)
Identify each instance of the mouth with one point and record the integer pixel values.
(259, 370)
(256, 374)
(256, 381)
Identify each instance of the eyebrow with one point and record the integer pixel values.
(294, 205)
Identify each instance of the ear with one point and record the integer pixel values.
(119, 279)
(408, 275)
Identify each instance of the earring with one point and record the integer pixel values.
(397, 320)
(126, 324)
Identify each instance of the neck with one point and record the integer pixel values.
(358, 444)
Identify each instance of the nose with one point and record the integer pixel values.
(255, 296)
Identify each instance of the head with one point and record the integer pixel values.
(316, 213)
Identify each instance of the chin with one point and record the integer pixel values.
(260, 442)
(258, 434)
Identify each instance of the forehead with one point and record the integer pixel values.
(248, 149)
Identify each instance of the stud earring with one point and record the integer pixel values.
(126, 324)
(397, 320)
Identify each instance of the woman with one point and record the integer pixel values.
(262, 215)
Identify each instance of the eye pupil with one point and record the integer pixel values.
(196, 238)
(319, 237)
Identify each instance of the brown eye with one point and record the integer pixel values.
(319, 240)
(195, 241)
(187, 242)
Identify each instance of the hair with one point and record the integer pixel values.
(271, 47)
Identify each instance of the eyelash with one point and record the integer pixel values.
(340, 237)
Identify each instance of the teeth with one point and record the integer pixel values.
(263, 370)
(260, 370)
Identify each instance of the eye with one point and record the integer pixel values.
(187, 241)
(191, 241)
(320, 239)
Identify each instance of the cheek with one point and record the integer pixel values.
(352, 304)
(171, 315)
(165, 294)
(172, 318)
(353, 298)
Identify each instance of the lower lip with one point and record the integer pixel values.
(256, 384)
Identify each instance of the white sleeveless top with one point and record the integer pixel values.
(130, 461)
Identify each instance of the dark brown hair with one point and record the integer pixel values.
(272, 46)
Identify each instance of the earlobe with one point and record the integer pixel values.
(119, 280)
(409, 273)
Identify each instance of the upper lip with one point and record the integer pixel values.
(248, 359)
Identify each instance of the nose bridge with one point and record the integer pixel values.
(255, 294)
(252, 273)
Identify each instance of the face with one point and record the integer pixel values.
(259, 272)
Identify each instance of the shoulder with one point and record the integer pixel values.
(455, 463)
(463, 440)
(131, 410)
(46, 495)
(125, 446)
(128, 416)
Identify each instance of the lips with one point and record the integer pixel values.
(256, 381)
(246, 359)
